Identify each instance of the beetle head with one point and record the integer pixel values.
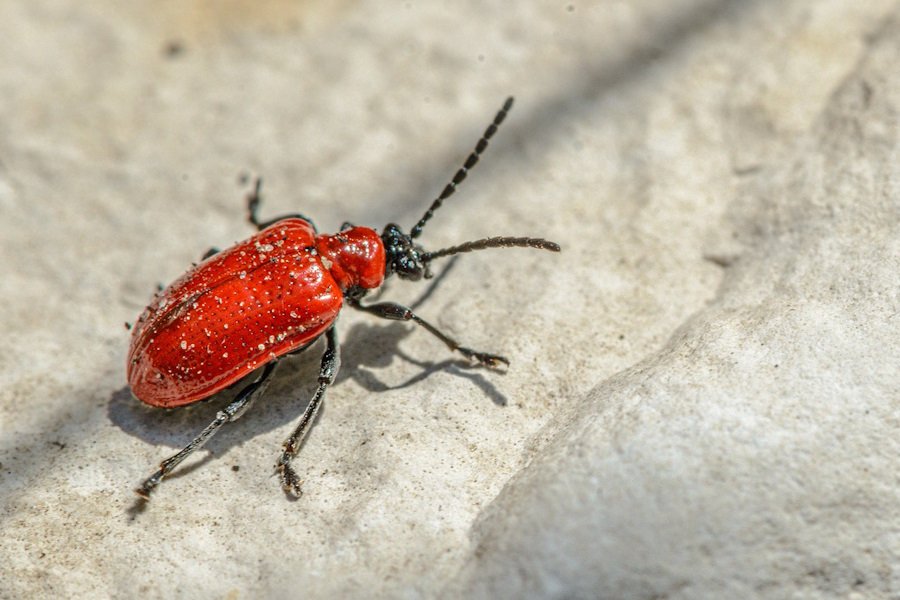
(403, 257)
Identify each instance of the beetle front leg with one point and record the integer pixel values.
(231, 413)
(398, 312)
(331, 361)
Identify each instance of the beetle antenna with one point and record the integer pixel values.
(493, 242)
(464, 170)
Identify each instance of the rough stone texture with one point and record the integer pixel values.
(703, 397)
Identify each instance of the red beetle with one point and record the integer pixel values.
(276, 293)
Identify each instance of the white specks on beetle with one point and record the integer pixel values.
(262, 346)
(183, 345)
(242, 275)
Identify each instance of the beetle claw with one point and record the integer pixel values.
(491, 361)
(290, 482)
(149, 485)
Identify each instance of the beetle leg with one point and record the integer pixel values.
(231, 413)
(331, 362)
(211, 252)
(254, 199)
(253, 202)
(398, 312)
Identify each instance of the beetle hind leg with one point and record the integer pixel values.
(331, 360)
(211, 252)
(254, 199)
(229, 414)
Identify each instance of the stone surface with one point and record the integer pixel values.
(702, 401)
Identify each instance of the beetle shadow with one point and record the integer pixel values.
(372, 347)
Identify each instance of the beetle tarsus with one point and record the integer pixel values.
(147, 487)
(491, 361)
(290, 482)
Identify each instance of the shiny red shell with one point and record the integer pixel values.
(245, 306)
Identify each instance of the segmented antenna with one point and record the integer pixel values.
(493, 242)
(464, 170)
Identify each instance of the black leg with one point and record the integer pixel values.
(397, 312)
(254, 199)
(231, 413)
(327, 372)
(211, 252)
